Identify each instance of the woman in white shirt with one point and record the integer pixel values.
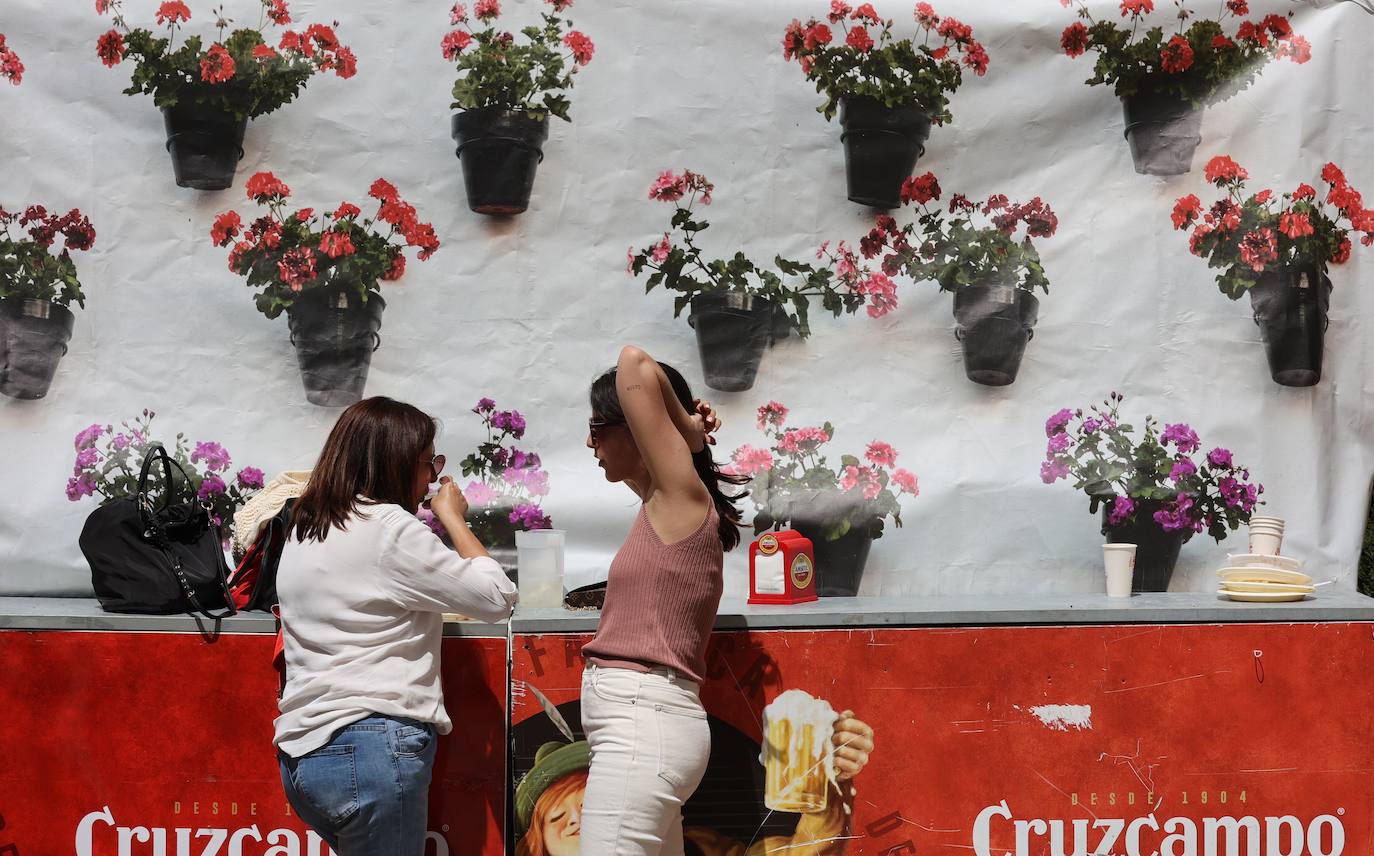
(362, 584)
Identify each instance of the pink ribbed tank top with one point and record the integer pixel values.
(661, 600)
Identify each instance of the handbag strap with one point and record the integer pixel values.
(154, 531)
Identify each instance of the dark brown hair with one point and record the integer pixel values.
(606, 405)
(372, 451)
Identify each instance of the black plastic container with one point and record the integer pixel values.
(206, 145)
(33, 339)
(500, 151)
(1291, 310)
(334, 334)
(1163, 132)
(995, 323)
(733, 330)
(881, 147)
(1156, 551)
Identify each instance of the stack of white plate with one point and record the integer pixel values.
(1264, 579)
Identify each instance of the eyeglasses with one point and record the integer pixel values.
(596, 426)
(436, 465)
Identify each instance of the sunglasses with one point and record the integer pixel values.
(436, 465)
(596, 426)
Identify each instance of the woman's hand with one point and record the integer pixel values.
(853, 741)
(705, 419)
(449, 503)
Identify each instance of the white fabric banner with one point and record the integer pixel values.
(528, 310)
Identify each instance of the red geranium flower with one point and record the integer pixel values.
(866, 12)
(1342, 252)
(1222, 43)
(925, 16)
(1177, 55)
(336, 244)
(1076, 39)
(816, 35)
(110, 48)
(455, 42)
(226, 228)
(383, 190)
(1305, 191)
(278, 12)
(1221, 169)
(345, 63)
(264, 52)
(1258, 248)
(976, 58)
(297, 267)
(173, 11)
(1252, 32)
(1238, 7)
(264, 186)
(1295, 225)
(859, 39)
(397, 269)
(581, 46)
(1136, 7)
(1331, 174)
(217, 65)
(1186, 210)
(485, 10)
(347, 209)
(920, 189)
(839, 10)
(1278, 25)
(954, 30)
(1296, 48)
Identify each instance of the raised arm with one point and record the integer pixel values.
(664, 431)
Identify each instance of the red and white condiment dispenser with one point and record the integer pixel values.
(782, 568)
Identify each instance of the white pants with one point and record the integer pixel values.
(649, 745)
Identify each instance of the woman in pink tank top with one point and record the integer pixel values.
(641, 709)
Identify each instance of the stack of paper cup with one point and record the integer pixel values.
(1266, 535)
(1120, 561)
(540, 557)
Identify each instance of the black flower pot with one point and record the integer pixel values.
(1156, 551)
(500, 150)
(1163, 132)
(335, 334)
(995, 323)
(881, 145)
(33, 338)
(206, 145)
(839, 563)
(733, 330)
(1290, 308)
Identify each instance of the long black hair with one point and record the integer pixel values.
(606, 405)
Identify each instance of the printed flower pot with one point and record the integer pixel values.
(881, 145)
(1156, 551)
(732, 332)
(994, 324)
(206, 145)
(33, 338)
(334, 335)
(500, 150)
(839, 563)
(1163, 132)
(1290, 308)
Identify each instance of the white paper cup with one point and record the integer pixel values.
(1120, 562)
(539, 559)
(1267, 521)
(1265, 543)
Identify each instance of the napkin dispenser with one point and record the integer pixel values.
(782, 568)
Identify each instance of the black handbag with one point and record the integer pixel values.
(157, 555)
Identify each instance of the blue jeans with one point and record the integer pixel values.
(366, 791)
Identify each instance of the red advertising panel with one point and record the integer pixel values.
(1222, 740)
(159, 744)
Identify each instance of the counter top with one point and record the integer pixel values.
(973, 610)
(979, 610)
(82, 613)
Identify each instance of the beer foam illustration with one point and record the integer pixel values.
(796, 752)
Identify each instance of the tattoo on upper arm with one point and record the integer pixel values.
(634, 386)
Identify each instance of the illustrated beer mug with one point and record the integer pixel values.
(798, 759)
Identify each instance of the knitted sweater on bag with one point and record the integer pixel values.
(661, 600)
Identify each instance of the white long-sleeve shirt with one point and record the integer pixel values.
(361, 617)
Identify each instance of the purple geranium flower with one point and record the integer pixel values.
(1091, 425)
(86, 459)
(83, 485)
(428, 518)
(1058, 443)
(1056, 423)
(1175, 516)
(250, 477)
(1219, 457)
(529, 516)
(88, 436)
(212, 486)
(1053, 470)
(213, 454)
(121, 441)
(485, 405)
(1183, 468)
(1122, 508)
(1181, 436)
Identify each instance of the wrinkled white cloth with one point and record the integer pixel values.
(264, 505)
